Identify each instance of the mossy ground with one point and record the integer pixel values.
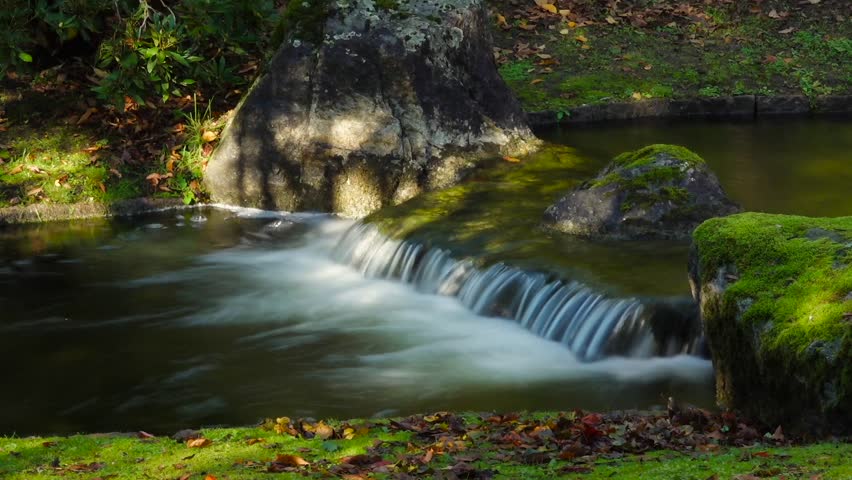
(58, 146)
(718, 49)
(249, 453)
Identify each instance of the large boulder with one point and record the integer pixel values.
(775, 295)
(660, 191)
(367, 104)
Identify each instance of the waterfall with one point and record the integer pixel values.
(588, 323)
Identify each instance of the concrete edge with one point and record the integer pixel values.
(45, 212)
(747, 107)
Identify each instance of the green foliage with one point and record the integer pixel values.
(139, 47)
(194, 45)
(34, 29)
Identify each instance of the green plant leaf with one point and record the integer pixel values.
(26, 57)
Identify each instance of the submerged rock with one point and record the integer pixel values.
(774, 294)
(660, 191)
(367, 104)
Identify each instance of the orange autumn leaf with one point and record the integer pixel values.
(512, 159)
(199, 442)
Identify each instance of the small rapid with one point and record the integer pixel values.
(590, 324)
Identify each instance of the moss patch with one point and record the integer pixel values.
(469, 444)
(650, 185)
(790, 299)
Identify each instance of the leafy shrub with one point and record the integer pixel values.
(140, 47)
(35, 30)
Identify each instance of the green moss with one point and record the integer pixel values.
(49, 163)
(648, 154)
(653, 185)
(791, 289)
(245, 453)
(303, 20)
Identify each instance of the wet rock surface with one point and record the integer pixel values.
(660, 191)
(368, 106)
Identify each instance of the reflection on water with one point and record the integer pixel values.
(787, 166)
(168, 323)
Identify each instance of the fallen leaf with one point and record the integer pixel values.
(33, 193)
(209, 477)
(15, 170)
(611, 20)
(501, 21)
(199, 442)
(536, 81)
(581, 38)
(35, 169)
(208, 136)
(48, 444)
(512, 159)
(291, 460)
(85, 117)
(323, 431)
(787, 30)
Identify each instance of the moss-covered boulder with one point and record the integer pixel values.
(775, 294)
(660, 191)
(366, 104)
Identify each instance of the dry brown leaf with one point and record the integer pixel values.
(85, 117)
(512, 159)
(536, 81)
(581, 38)
(36, 169)
(199, 442)
(291, 460)
(323, 431)
(15, 170)
(33, 193)
(208, 136)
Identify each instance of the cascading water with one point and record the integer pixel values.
(590, 324)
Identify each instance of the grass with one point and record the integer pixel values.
(248, 453)
(727, 54)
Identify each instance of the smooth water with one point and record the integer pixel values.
(164, 322)
(206, 317)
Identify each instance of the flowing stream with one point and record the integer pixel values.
(215, 316)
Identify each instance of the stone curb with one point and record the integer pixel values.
(43, 212)
(736, 107)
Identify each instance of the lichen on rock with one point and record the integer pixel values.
(774, 294)
(659, 191)
(367, 104)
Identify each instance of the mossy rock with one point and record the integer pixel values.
(775, 293)
(659, 191)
